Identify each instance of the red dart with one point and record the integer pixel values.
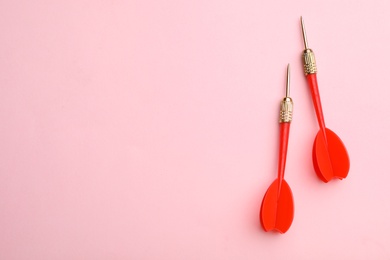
(330, 157)
(277, 208)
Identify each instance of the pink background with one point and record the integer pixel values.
(148, 130)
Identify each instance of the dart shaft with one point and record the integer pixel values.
(283, 145)
(315, 95)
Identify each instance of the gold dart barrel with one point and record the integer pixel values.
(286, 110)
(309, 62)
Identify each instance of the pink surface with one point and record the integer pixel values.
(148, 130)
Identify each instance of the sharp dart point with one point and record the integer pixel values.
(288, 81)
(304, 33)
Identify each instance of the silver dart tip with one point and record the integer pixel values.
(304, 33)
(288, 81)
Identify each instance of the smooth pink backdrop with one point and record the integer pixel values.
(148, 129)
